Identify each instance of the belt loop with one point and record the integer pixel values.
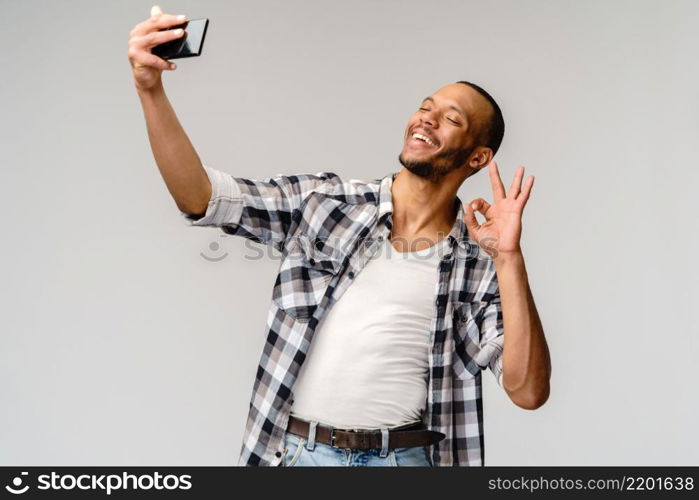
(384, 442)
(311, 443)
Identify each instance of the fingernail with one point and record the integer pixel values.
(173, 65)
(474, 206)
(181, 17)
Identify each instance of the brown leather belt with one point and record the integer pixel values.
(405, 437)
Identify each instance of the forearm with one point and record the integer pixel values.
(526, 360)
(177, 160)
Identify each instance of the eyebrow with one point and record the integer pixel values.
(451, 106)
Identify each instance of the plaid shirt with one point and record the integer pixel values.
(327, 229)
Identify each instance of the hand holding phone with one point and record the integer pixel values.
(147, 67)
(188, 45)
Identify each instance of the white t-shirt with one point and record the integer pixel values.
(367, 366)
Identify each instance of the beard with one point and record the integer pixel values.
(439, 165)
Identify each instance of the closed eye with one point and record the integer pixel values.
(453, 121)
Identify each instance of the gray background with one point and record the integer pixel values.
(121, 344)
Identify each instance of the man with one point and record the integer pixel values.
(375, 346)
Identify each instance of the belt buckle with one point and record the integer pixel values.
(332, 438)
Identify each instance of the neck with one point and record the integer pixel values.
(423, 207)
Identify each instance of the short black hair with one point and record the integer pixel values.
(495, 129)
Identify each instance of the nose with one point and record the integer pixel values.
(428, 117)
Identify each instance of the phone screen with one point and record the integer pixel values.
(188, 45)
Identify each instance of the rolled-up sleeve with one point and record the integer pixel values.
(260, 210)
(492, 338)
(225, 196)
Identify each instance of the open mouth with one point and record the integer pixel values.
(421, 140)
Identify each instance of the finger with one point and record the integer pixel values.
(155, 10)
(143, 58)
(150, 40)
(471, 222)
(524, 195)
(516, 183)
(161, 21)
(496, 181)
(480, 205)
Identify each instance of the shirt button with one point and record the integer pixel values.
(351, 274)
(278, 454)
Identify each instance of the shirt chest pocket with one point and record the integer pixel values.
(304, 277)
(467, 317)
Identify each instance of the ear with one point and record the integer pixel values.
(481, 159)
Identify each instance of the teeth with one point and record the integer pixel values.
(424, 138)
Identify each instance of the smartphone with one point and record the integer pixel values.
(189, 44)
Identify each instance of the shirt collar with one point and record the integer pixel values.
(458, 234)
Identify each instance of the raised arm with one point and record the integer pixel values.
(258, 209)
(524, 360)
(177, 160)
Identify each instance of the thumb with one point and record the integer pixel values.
(155, 11)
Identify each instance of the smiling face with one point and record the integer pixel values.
(444, 133)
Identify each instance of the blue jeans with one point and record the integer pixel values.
(301, 452)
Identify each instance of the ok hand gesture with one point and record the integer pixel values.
(500, 233)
